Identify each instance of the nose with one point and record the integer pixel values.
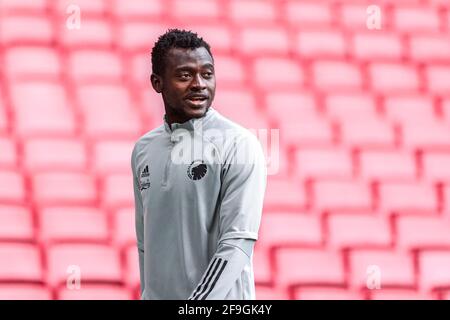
(198, 83)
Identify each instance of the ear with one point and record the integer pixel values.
(156, 81)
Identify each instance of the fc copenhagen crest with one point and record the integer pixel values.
(197, 170)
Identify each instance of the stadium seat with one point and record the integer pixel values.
(11, 6)
(8, 156)
(219, 36)
(381, 268)
(351, 107)
(54, 154)
(314, 163)
(132, 278)
(251, 11)
(12, 188)
(329, 194)
(416, 18)
(434, 232)
(436, 166)
(424, 135)
(136, 35)
(262, 265)
(21, 291)
(291, 70)
(330, 75)
(229, 71)
(313, 131)
(256, 41)
(4, 122)
(117, 191)
(54, 188)
(95, 292)
(16, 223)
(94, 33)
(95, 65)
(370, 46)
(407, 197)
(398, 294)
(437, 77)
(410, 109)
(14, 30)
(433, 266)
(270, 293)
(90, 262)
(282, 104)
(20, 262)
(64, 224)
(320, 44)
(183, 10)
(124, 231)
(27, 61)
(426, 48)
(387, 78)
(325, 293)
(284, 193)
(302, 14)
(308, 266)
(389, 165)
(358, 230)
(112, 156)
(137, 9)
(281, 228)
(369, 133)
(88, 7)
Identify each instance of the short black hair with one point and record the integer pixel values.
(174, 38)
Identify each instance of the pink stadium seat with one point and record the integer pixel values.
(436, 166)
(410, 109)
(388, 78)
(280, 228)
(14, 29)
(112, 156)
(262, 265)
(323, 163)
(269, 293)
(351, 107)
(228, 70)
(251, 11)
(219, 36)
(132, 278)
(3, 117)
(404, 197)
(95, 65)
(95, 292)
(183, 10)
(438, 79)
(94, 33)
(88, 7)
(21, 291)
(282, 104)
(358, 230)
(284, 194)
(52, 115)
(307, 13)
(398, 294)
(58, 224)
(341, 195)
(11, 6)
(312, 131)
(54, 154)
(387, 165)
(433, 231)
(394, 269)
(308, 267)
(371, 46)
(433, 266)
(53, 188)
(291, 70)
(426, 135)
(325, 293)
(332, 75)
(28, 61)
(320, 44)
(117, 191)
(416, 18)
(16, 223)
(20, 262)
(353, 16)
(124, 227)
(8, 156)
(108, 111)
(12, 188)
(139, 35)
(93, 262)
(263, 40)
(141, 70)
(137, 9)
(426, 48)
(369, 133)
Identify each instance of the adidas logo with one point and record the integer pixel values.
(145, 173)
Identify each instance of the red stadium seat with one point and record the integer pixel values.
(438, 79)
(117, 191)
(93, 33)
(219, 36)
(54, 188)
(313, 131)
(284, 194)
(353, 16)
(269, 293)
(95, 65)
(320, 44)
(426, 135)
(429, 48)
(323, 267)
(370, 46)
(351, 107)
(124, 231)
(410, 109)
(433, 266)
(15, 29)
(262, 266)
(307, 13)
(20, 262)
(332, 75)
(92, 262)
(377, 268)
(137, 9)
(434, 231)
(8, 156)
(369, 133)
(416, 18)
(281, 105)
(54, 154)
(16, 223)
(263, 40)
(228, 70)
(251, 11)
(292, 73)
(88, 7)
(183, 10)
(95, 292)
(23, 5)
(139, 35)
(436, 166)
(21, 291)
(323, 163)
(387, 165)
(280, 228)
(398, 294)
(58, 224)
(12, 188)
(325, 293)
(341, 195)
(358, 230)
(23, 62)
(112, 156)
(388, 78)
(404, 197)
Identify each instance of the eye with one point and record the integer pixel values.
(208, 74)
(184, 76)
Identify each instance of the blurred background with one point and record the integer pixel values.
(359, 207)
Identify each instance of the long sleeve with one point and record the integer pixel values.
(224, 269)
(139, 221)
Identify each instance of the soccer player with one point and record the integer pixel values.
(199, 183)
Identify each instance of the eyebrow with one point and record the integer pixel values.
(187, 67)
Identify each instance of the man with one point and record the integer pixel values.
(199, 183)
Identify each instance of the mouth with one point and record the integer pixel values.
(197, 100)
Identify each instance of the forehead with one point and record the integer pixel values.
(177, 57)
